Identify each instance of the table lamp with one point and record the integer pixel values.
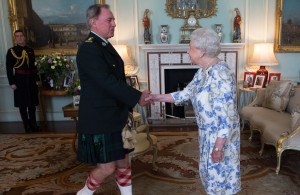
(263, 56)
(123, 52)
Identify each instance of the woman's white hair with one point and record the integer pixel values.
(207, 40)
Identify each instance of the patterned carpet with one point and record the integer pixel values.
(46, 164)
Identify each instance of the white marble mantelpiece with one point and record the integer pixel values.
(160, 57)
(185, 47)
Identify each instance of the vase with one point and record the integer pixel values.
(219, 31)
(76, 99)
(164, 37)
(58, 82)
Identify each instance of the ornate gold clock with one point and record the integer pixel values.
(190, 25)
(191, 10)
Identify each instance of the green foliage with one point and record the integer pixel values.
(54, 65)
(74, 87)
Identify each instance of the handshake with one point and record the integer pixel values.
(148, 98)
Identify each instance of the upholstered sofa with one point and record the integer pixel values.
(275, 113)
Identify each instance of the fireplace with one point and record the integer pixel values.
(175, 80)
(169, 68)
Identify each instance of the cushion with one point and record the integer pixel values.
(295, 119)
(294, 100)
(277, 95)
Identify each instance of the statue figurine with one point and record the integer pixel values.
(237, 26)
(146, 23)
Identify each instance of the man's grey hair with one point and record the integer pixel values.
(207, 40)
(93, 12)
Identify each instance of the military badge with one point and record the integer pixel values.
(103, 44)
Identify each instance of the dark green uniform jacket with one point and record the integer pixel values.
(22, 73)
(105, 97)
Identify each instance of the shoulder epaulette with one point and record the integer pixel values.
(90, 40)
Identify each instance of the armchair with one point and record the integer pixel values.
(144, 142)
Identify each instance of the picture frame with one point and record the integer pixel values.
(274, 76)
(134, 82)
(286, 35)
(249, 77)
(59, 30)
(128, 82)
(259, 81)
(69, 78)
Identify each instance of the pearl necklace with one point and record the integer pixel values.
(204, 75)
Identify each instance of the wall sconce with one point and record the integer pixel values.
(263, 55)
(123, 52)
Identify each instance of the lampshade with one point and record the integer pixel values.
(263, 55)
(123, 52)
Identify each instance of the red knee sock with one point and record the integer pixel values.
(92, 183)
(123, 176)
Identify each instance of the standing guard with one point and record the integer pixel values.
(23, 79)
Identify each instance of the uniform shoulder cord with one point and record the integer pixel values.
(24, 55)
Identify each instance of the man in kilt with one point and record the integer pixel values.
(23, 79)
(105, 101)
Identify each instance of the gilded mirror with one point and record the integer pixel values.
(201, 8)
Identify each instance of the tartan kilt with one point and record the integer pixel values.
(101, 148)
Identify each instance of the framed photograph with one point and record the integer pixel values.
(249, 78)
(274, 77)
(69, 78)
(134, 82)
(259, 81)
(287, 25)
(51, 26)
(128, 81)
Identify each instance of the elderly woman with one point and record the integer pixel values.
(213, 95)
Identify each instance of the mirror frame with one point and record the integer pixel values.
(205, 12)
(14, 25)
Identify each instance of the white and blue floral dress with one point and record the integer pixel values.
(213, 95)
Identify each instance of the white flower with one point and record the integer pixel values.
(52, 67)
(54, 61)
(79, 87)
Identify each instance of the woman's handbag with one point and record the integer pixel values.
(129, 133)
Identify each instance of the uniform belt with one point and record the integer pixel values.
(25, 71)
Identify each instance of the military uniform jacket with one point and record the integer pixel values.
(23, 73)
(105, 97)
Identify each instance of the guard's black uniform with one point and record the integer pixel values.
(22, 72)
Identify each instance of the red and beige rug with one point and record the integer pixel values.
(46, 164)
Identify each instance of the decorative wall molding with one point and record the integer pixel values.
(2, 66)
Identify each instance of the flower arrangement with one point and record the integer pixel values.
(56, 66)
(73, 87)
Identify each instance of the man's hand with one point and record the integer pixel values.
(142, 101)
(14, 87)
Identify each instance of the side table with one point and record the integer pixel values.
(246, 96)
(44, 93)
(72, 111)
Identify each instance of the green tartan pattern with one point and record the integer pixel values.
(101, 148)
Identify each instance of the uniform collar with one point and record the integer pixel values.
(100, 37)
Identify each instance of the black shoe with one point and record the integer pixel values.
(28, 130)
(35, 128)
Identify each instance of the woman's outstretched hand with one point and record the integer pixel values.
(150, 98)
